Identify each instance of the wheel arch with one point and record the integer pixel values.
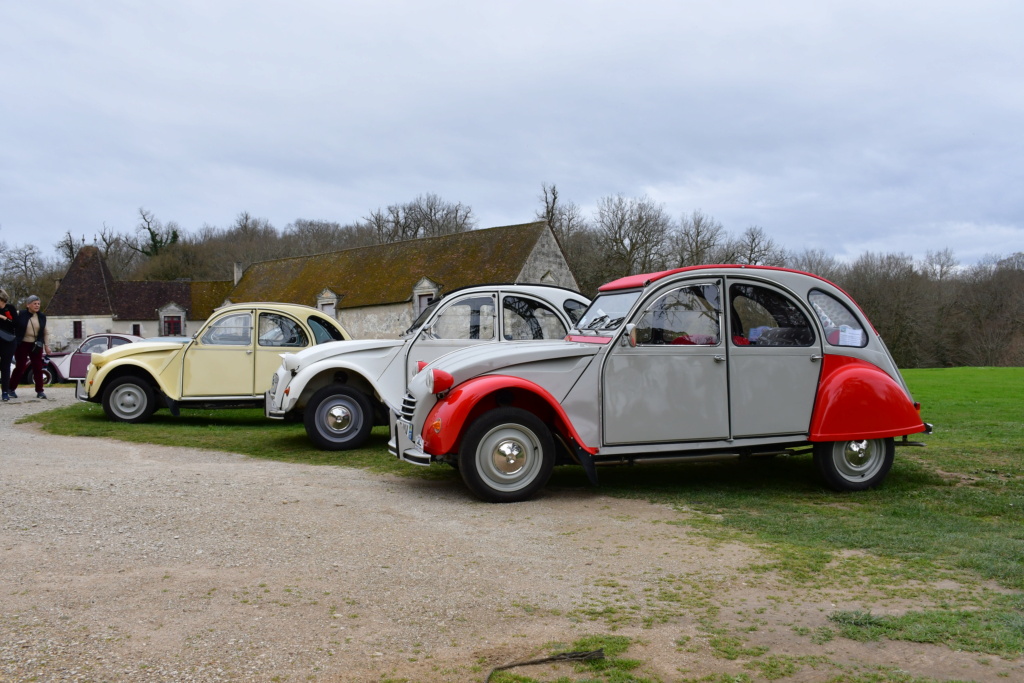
(320, 375)
(859, 400)
(450, 418)
(109, 374)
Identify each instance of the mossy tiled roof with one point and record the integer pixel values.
(206, 296)
(387, 273)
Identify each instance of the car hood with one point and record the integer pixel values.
(137, 349)
(530, 359)
(334, 349)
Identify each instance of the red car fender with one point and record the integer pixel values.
(448, 419)
(858, 400)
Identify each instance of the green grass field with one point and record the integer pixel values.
(952, 510)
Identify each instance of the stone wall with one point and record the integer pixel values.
(376, 322)
(546, 265)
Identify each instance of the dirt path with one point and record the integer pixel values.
(128, 562)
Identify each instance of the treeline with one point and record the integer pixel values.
(931, 313)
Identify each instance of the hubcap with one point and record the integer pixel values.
(858, 460)
(856, 453)
(128, 401)
(509, 456)
(339, 418)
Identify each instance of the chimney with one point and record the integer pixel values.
(238, 271)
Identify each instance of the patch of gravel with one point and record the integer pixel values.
(123, 561)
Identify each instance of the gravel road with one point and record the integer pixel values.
(135, 562)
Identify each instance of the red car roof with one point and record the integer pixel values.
(633, 281)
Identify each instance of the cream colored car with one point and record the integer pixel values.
(228, 363)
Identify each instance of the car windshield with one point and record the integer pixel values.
(421, 318)
(608, 311)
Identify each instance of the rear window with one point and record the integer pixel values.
(842, 328)
(323, 331)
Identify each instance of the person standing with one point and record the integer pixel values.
(31, 336)
(8, 335)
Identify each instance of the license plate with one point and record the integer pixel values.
(408, 430)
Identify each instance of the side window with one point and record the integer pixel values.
(841, 326)
(231, 330)
(469, 318)
(97, 345)
(323, 331)
(764, 317)
(574, 309)
(529, 319)
(688, 315)
(277, 330)
(118, 341)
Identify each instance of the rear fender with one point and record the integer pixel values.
(450, 417)
(858, 400)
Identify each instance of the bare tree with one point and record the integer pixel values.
(117, 251)
(818, 262)
(426, 216)
(632, 234)
(316, 236)
(25, 271)
(698, 240)
(755, 248)
(67, 247)
(939, 265)
(153, 236)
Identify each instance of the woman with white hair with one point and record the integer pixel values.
(31, 334)
(8, 335)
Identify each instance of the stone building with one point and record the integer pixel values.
(89, 300)
(374, 291)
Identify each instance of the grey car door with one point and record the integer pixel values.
(774, 361)
(672, 385)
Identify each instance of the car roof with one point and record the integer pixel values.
(530, 287)
(642, 280)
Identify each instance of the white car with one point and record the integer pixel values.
(342, 389)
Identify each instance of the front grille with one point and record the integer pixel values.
(408, 407)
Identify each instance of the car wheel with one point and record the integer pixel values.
(47, 376)
(506, 456)
(129, 399)
(854, 465)
(338, 418)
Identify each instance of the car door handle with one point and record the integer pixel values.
(719, 359)
(248, 352)
(815, 358)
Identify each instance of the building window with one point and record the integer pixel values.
(77, 329)
(422, 301)
(172, 325)
(137, 329)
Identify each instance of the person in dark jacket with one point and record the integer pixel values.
(30, 327)
(8, 337)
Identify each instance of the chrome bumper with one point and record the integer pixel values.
(268, 407)
(401, 445)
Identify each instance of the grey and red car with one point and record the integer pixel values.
(708, 360)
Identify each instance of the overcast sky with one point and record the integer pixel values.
(848, 126)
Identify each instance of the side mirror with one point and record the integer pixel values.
(630, 336)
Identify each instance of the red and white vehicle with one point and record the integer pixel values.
(706, 360)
